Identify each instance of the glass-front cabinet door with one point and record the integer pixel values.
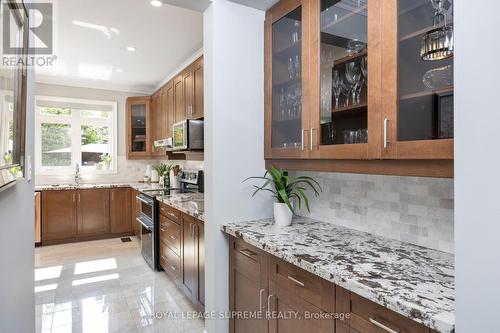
(418, 123)
(286, 73)
(138, 127)
(343, 96)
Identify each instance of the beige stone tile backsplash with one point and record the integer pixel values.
(411, 209)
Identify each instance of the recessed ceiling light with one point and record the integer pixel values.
(156, 3)
(119, 70)
(130, 48)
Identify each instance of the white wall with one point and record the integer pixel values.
(234, 135)
(17, 216)
(477, 160)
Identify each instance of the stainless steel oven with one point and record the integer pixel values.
(149, 233)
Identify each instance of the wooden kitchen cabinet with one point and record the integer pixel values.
(77, 215)
(158, 124)
(120, 210)
(93, 212)
(248, 286)
(193, 270)
(135, 212)
(168, 102)
(59, 215)
(38, 217)
(346, 89)
(139, 133)
(197, 110)
(179, 99)
(260, 281)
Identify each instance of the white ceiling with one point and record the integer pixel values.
(259, 4)
(90, 51)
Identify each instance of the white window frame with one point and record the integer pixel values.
(76, 122)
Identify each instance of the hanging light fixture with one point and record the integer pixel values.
(437, 43)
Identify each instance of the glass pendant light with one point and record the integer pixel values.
(437, 43)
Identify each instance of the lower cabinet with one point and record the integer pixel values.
(120, 210)
(59, 218)
(292, 300)
(135, 212)
(93, 212)
(248, 287)
(73, 215)
(193, 270)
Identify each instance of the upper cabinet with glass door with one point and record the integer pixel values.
(139, 139)
(286, 45)
(419, 118)
(342, 48)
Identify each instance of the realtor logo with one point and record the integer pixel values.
(40, 28)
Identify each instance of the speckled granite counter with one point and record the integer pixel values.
(414, 281)
(189, 203)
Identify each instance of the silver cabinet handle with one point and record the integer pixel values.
(247, 253)
(386, 142)
(260, 298)
(163, 229)
(79, 197)
(74, 197)
(296, 281)
(382, 326)
(173, 267)
(311, 137)
(164, 258)
(302, 140)
(173, 237)
(269, 302)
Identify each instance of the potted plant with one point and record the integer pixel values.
(285, 190)
(163, 170)
(106, 161)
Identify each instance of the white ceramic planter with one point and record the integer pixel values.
(282, 214)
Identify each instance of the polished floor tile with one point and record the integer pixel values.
(105, 286)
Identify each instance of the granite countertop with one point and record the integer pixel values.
(411, 280)
(189, 203)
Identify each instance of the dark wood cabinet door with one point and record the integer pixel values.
(135, 212)
(200, 250)
(248, 286)
(170, 108)
(58, 215)
(188, 255)
(120, 210)
(188, 83)
(138, 122)
(93, 212)
(179, 102)
(157, 132)
(283, 301)
(197, 110)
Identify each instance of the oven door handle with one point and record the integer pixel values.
(143, 224)
(149, 202)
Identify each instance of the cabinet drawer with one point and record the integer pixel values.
(170, 261)
(367, 316)
(170, 234)
(170, 212)
(303, 284)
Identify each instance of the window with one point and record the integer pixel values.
(71, 131)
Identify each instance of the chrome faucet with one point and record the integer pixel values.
(77, 173)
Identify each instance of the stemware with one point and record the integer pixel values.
(346, 88)
(296, 65)
(336, 83)
(296, 32)
(353, 76)
(291, 68)
(282, 102)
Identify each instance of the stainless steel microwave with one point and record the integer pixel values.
(188, 135)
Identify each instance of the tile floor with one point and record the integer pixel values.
(105, 286)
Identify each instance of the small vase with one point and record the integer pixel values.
(282, 214)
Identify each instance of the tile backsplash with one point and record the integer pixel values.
(411, 209)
